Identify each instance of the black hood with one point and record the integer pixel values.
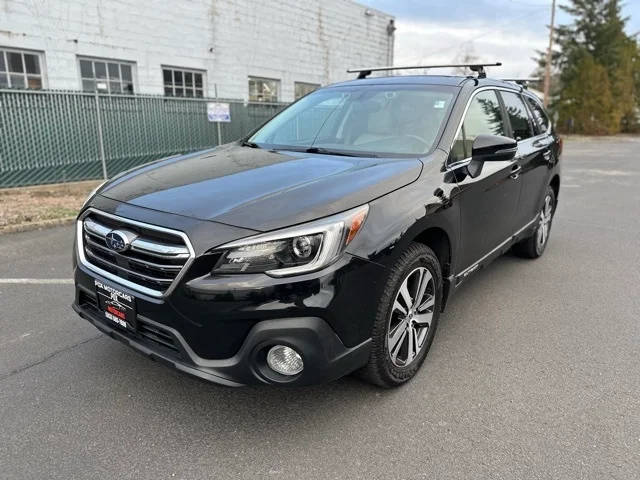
(260, 189)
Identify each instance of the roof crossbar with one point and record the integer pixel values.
(474, 67)
(523, 82)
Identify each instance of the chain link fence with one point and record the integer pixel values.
(52, 137)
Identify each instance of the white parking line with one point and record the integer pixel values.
(36, 281)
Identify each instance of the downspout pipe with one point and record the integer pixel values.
(391, 28)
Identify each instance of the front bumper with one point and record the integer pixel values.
(325, 356)
(219, 328)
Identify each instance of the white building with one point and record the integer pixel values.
(262, 50)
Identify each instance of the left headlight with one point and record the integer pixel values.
(293, 250)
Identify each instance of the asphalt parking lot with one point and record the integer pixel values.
(534, 372)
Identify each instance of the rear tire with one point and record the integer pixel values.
(406, 319)
(534, 245)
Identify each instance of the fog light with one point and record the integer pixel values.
(284, 360)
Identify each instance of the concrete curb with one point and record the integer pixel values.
(26, 227)
(571, 137)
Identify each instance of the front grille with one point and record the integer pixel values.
(151, 264)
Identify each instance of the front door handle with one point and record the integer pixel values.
(515, 171)
(547, 155)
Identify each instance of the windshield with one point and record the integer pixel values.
(373, 120)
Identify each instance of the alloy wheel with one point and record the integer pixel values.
(411, 317)
(544, 223)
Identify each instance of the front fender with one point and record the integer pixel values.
(398, 218)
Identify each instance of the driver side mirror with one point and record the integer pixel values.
(490, 148)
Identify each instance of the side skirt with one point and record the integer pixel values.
(495, 253)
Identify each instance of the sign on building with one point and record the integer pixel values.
(218, 112)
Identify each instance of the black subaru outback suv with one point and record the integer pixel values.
(326, 242)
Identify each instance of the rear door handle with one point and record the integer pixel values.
(515, 171)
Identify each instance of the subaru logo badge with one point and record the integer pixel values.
(117, 241)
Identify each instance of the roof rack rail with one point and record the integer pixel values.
(522, 81)
(474, 67)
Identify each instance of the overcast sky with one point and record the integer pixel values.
(441, 31)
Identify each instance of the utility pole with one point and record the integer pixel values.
(547, 67)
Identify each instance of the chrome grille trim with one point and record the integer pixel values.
(96, 231)
(95, 228)
(140, 245)
(133, 260)
(130, 272)
(158, 249)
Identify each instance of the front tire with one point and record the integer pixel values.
(406, 319)
(534, 246)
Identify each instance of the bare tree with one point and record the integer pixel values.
(465, 55)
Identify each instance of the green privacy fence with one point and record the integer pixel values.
(51, 137)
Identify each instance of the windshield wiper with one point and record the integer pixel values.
(250, 144)
(342, 153)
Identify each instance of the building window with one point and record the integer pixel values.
(179, 82)
(263, 89)
(20, 69)
(301, 88)
(106, 76)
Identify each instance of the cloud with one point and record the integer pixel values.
(420, 42)
(437, 31)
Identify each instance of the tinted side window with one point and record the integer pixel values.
(484, 117)
(539, 115)
(517, 115)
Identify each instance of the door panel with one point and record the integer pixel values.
(533, 150)
(488, 202)
(487, 208)
(533, 159)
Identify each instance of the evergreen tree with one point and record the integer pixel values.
(597, 70)
(587, 110)
(624, 88)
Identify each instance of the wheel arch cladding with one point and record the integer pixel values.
(438, 240)
(555, 185)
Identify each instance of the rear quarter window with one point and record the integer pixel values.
(540, 117)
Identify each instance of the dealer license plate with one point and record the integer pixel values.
(118, 307)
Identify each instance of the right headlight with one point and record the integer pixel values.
(294, 250)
